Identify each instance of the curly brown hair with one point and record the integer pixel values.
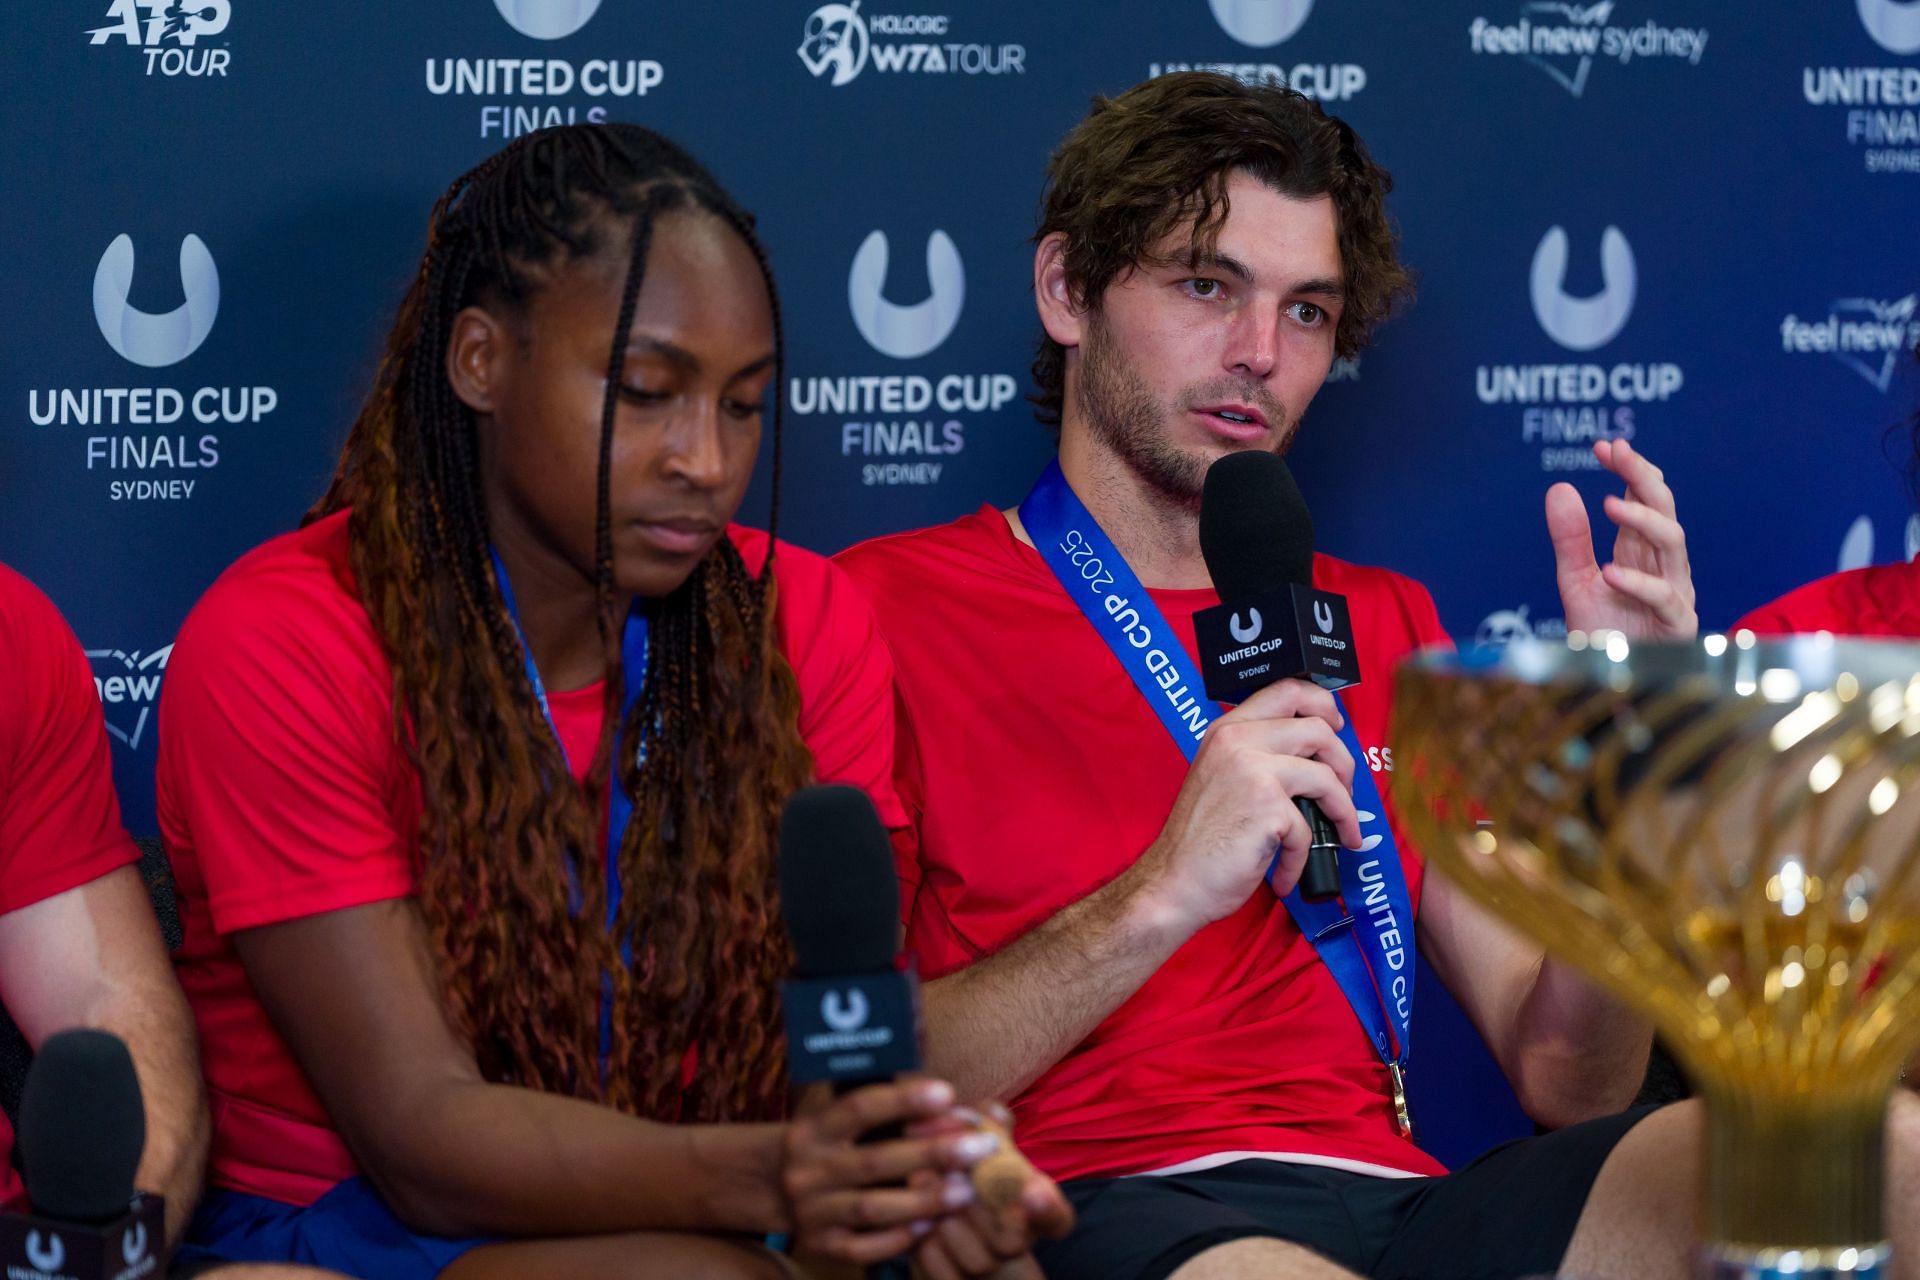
(510, 864)
(1158, 157)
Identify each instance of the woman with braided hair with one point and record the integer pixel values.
(472, 784)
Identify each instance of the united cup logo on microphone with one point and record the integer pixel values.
(844, 1014)
(46, 1254)
(1250, 632)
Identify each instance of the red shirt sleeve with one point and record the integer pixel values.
(59, 816)
(279, 764)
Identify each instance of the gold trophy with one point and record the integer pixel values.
(1725, 835)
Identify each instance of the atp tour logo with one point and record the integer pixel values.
(147, 464)
(547, 19)
(169, 33)
(1566, 406)
(838, 42)
(156, 341)
(1565, 39)
(907, 419)
(1260, 24)
(540, 92)
(1857, 548)
(128, 685)
(1865, 334)
(1879, 101)
(1263, 24)
(1504, 626)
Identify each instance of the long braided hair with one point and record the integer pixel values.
(511, 878)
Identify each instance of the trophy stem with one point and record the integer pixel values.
(1805, 1176)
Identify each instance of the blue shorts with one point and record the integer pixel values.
(349, 1229)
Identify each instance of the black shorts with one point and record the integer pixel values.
(1510, 1213)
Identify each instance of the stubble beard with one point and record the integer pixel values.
(1123, 417)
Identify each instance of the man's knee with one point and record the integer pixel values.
(1261, 1258)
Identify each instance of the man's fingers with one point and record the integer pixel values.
(1658, 594)
(1570, 530)
(1048, 1212)
(1645, 482)
(1311, 780)
(1284, 699)
(961, 1238)
(1658, 528)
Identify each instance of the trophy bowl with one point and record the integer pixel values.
(1724, 835)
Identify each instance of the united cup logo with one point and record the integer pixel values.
(1894, 24)
(845, 1014)
(1582, 324)
(1250, 632)
(1260, 24)
(906, 332)
(547, 19)
(133, 1245)
(47, 1255)
(141, 336)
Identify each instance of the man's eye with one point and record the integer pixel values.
(1310, 314)
(1204, 288)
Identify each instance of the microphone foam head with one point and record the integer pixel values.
(1255, 530)
(82, 1127)
(839, 892)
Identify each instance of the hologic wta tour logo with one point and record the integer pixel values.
(1265, 24)
(838, 42)
(1881, 103)
(151, 442)
(174, 35)
(1865, 334)
(1565, 40)
(903, 425)
(1565, 407)
(537, 92)
(128, 684)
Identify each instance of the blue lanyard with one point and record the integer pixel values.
(1369, 953)
(633, 661)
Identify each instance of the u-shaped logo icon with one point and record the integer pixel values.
(141, 336)
(906, 333)
(47, 1255)
(547, 19)
(1323, 616)
(1260, 24)
(1894, 24)
(1582, 324)
(845, 1014)
(1248, 633)
(133, 1245)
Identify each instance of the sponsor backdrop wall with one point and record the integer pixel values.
(1693, 225)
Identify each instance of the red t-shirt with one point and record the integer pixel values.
(283, 793)
(1033, 773)
(59, 817)
(1881, 600)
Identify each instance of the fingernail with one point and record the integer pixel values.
(923, 1226)
(958, 1192)
(975, 1147)
(969, 1115)
(935, 1093)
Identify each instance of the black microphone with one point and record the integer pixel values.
(852, 1017)
(82, 1131)
(1271, 624)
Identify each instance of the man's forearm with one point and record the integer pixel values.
(1582, 1054)
(158, 1030)
(997, 1025)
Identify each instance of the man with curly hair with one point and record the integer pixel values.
(1090, 866)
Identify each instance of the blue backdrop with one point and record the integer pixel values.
(1692, 223)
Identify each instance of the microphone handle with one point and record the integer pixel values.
(1320, 878)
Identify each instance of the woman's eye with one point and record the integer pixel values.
(742, 409)
(642, 395)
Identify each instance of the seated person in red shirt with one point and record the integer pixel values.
(79, 944)
(1879, 600)
(472, 784)
(1092, 910)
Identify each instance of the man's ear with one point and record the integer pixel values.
(477, 357)
(1061, 314)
